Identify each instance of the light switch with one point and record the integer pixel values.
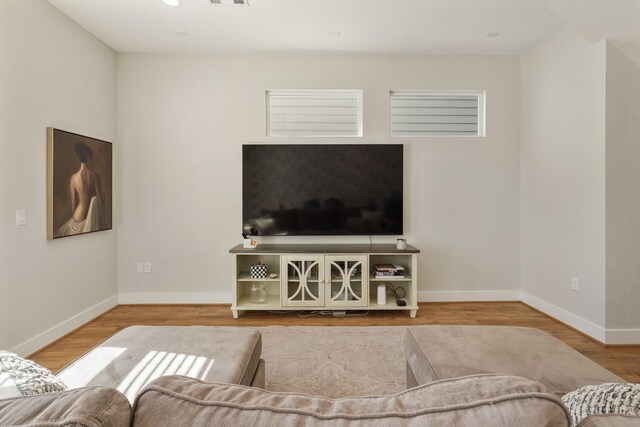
(147, 267)
(139, 268)
(21, 217)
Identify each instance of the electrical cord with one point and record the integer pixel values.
(357, 314)
(398, 292)
(314, 313)
(328, 313)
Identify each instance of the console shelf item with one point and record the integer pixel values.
(323, 277)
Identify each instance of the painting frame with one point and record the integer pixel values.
(79, 184)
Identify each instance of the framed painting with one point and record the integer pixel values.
(79, 184)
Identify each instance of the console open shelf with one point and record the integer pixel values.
(323, 277)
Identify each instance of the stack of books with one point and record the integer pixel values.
(384, 271)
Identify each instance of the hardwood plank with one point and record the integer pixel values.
(623, 361)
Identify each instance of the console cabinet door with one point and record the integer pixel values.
(346, 281)
(302, 280)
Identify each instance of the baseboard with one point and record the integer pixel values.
(176, 298)
(466, 296)
(623, 337)
(45, 338)
(608, 336)
(583, 325)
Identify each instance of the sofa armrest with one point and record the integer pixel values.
(88, 406)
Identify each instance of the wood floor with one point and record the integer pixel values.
(624, 361)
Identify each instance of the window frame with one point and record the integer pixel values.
(482, 116)
(359, 96)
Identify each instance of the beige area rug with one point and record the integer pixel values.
(334, 361)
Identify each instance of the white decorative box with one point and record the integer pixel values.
(258, 271)
(249, 243)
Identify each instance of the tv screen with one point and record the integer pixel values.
(311, 190)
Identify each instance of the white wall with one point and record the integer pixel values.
(182, 121)
(524, 206)
(52, 73)
(563, 179)
(623, 196)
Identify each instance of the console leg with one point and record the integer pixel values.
(412, 313)
(235, 313)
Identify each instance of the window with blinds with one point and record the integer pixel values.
(314, 113)
(434, 113)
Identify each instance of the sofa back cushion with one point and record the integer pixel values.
(479, 400)
(90, 407)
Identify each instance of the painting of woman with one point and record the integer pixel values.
(80, 200)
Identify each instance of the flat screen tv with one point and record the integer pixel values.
(312, 190)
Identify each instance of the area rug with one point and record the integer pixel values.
(334, 361)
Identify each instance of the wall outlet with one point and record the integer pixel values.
(147, 267)
(575, 284)
(21, 217)
(139, 268)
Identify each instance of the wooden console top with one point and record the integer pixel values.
(325, 249)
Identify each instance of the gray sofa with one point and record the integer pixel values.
(87, 406)
(456, 375)
(484, 400)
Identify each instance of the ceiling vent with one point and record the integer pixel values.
(229, 2)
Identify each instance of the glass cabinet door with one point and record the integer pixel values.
(302, 280)
(347, 280)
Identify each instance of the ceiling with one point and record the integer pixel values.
(367, 26)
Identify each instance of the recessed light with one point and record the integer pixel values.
(491, 35)
(173, 3)
(334, 33)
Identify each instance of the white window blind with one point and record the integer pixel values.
(433, 113)
(314, 113)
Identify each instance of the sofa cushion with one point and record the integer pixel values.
(438, 352)
(483, 400)
(609, 398)
(138, 354)
(21, 377)
(610, 420)
(91, 407)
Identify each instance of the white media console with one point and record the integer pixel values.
(322, 277)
